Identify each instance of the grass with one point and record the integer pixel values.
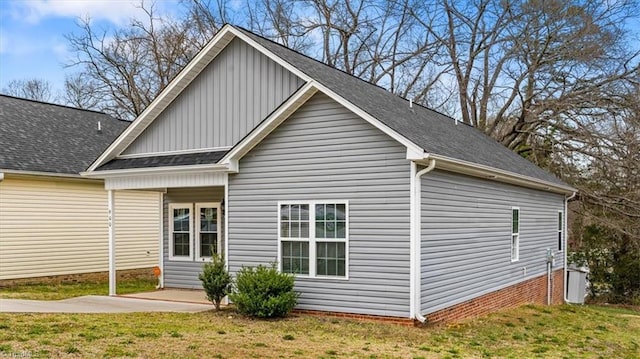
(526, 332)
(64, 291)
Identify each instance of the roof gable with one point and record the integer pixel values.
(221, 105)
(433, 131)
(43, 137)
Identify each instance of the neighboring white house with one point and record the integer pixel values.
(52, 221)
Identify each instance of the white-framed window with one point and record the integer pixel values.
(194, 231)
(180, 225)
(313, 238)
(515, 234)
(560, 230)
(207, 230)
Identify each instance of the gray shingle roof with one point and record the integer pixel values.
(43, 137)
(433, 131)
(163, 161)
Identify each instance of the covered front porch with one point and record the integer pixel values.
(192, 223)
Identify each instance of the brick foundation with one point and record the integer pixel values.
(532, 291)
(361, 317)
(140, 273)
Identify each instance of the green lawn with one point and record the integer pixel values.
(64, 291)
(527, 332)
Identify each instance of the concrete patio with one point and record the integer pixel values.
(173, 295)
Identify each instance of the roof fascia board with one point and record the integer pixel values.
(170, 93)
(156, 170)
(482, 171)
(267, 126)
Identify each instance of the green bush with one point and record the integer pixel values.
(215, 279)
(264, 292)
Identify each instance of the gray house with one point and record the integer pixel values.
(379, 207)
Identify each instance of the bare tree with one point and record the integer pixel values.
(80, 92)
(128, 68)
(522, 67)
(34, 89)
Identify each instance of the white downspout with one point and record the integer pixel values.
(566, 244)
(416, 222)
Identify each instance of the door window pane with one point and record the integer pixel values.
(208, 231)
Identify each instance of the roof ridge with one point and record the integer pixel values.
(60, 105)
(348, 74)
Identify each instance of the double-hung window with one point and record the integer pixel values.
(194, 231)
(180, 223)
(560, 230)
(313, 238)
(515, 234)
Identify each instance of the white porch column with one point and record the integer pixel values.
(112, 242)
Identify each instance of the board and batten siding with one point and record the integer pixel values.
(184, 274)
(227, 100)
(50, 226)
(325, 152)
(466, 237)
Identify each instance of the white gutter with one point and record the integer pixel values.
(566, 245)
(482, 171)
(415, 238)
(39, 173)
(1, 176)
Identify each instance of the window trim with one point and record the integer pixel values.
(560, 220)
(515, 258)
(312, 240)
(196, 214)
(173, 206)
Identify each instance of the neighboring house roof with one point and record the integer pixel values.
(433, 131)
(186, 159)
(44, 137)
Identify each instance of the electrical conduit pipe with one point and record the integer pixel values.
(416, 237)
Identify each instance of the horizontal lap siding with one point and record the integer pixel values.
(55, 227)
(325, 152)
(466, 237)
(184, 274)
(236, 91)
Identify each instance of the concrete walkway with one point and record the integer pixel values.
(99, 304)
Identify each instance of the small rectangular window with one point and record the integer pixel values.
(560, 230)
(515, 234)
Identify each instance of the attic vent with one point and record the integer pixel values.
(99, 127)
